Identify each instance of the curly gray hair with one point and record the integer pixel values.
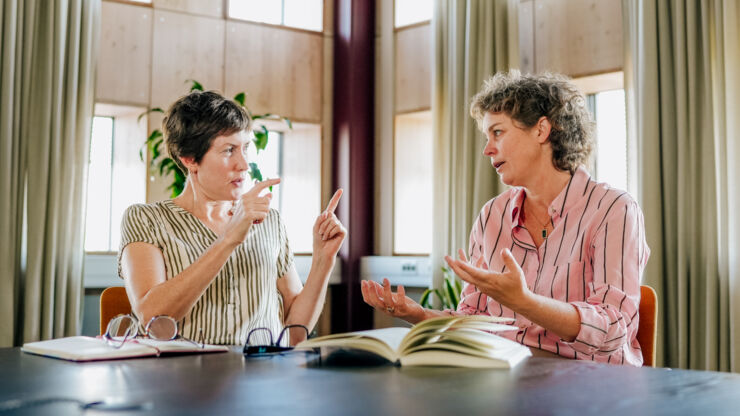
(526, 98)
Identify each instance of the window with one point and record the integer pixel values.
(294, 156)
(301, 14)
(116, 174)
(610, 164)
(605, 98)
(408, 12)
(412, 183)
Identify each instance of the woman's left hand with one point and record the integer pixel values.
(508, 288)
(328, 232)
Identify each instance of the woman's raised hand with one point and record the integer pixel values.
(508, 288)
(251, 208)
(328, 232)
(395, 304)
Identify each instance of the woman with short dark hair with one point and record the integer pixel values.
(216, 258)
(559, 253)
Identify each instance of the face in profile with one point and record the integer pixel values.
(222, 174)
(514, 150)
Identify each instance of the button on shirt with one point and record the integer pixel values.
(593, 259)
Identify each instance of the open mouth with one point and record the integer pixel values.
(498, 165)
(237, 182)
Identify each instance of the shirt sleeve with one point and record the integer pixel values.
(137, 225)
(609, 316)
(285, 255)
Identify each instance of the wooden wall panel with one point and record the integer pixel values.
(185, 47)
(578, 37)
(213, 8)
(413, 69)
(124, 62)
(526, 36)
(281, 70)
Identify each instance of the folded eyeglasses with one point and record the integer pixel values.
(123, 328)
(272, 347)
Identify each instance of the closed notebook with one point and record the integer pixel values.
(458, 341)
(83, 348)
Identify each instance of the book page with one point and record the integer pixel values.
(179, 345)
(383, 342)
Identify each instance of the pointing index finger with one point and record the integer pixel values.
(334, 200)
(259, 186)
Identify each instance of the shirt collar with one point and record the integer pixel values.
(560, 205)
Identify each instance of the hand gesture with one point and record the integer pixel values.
(508, 288)
(328, 232)
(250, 209)
(398, 305)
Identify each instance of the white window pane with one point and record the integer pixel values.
(611, 138)
(268, 161)
(97, 236)
(412, 11)
(129, 171)
(304, 14)
(412, 190)
(301, 184)
(265, 11)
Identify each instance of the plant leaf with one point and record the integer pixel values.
(424, 301)
(260, 138)
(240, 98)
(451, 294)
(254, 172)
(164, 164)
(151, 110)
(153, 136)
(441, 297)
(195, 85)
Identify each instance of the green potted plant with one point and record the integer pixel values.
(166, 167)
(449, 296)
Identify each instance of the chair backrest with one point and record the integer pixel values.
(648, 329)
(113, 302)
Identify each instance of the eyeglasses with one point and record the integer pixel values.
(161, 328)
(272, 347)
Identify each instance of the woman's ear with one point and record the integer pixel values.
(189, 163)
(544, 127)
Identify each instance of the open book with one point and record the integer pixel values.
(460, 341)
(94, 349)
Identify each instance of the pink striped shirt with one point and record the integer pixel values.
(593, 259)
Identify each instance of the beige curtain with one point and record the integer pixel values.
(682, 94)
(473, 39)
(49, 50)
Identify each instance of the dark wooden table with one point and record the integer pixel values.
(227, 383)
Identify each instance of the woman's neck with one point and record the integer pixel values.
(545, 187)
(203, 207)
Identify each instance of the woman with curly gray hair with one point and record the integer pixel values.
(559, 253)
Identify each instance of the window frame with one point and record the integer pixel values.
(228, 17)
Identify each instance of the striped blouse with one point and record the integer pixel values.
(244, 294)
(593, 259)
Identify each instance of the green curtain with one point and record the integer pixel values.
(472, 40)
(681, 60)
(49, 50)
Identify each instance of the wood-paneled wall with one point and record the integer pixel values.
(148, 52)
(573, 37)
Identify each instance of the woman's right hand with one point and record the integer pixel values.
(250, 209)
(397, 305)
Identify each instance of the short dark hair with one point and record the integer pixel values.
(526, 98)
(194, 120)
